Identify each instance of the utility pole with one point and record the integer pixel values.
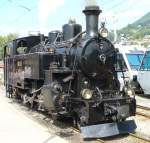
(114, 18)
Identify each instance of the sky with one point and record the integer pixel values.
(24, 16)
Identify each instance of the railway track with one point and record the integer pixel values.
(143, 107)
(143, 111)
(140, 139)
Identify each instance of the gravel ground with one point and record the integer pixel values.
(143, 126)
(144, 101)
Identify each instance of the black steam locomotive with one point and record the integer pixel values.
(71, 74)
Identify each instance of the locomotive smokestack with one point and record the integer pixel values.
(92, 13)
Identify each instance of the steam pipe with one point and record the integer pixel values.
(92, 14)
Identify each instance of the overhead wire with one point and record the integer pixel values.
(22, 15)
(111, 8)
(116, 5)
(19, 5)
(106, 2)
(31, 9)
(28, 10)
(124, 10)
(132, 5)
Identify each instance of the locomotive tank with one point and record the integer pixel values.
(78, 79)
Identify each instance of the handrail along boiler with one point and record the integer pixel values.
(72, 74)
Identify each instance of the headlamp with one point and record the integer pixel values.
(129, 92)
(87, 93)
(103, 30)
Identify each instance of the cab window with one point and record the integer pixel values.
(21, 47)
(145, 66)
(135, 60)
(8, 49)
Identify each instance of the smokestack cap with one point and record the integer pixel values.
(93, 9)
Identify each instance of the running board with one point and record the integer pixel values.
(108, 129)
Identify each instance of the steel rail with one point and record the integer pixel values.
(143, 107)
(142, 113)
(138, 137)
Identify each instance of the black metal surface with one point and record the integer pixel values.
(96, 57)
(70, 30)
(92, 13)
(29, 42)
(108, 129)
(53, 36)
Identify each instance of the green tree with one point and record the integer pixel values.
(4, 40)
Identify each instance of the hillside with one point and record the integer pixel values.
(144, 21)
(137, 30)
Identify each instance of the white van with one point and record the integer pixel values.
(132, 56)
(144, 73)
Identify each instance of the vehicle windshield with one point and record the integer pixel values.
(135, 60)
(145, 66)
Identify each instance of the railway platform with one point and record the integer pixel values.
(143, 100)
(15, 127)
